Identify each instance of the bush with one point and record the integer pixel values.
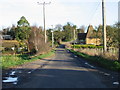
(86, 46)
(36, 41)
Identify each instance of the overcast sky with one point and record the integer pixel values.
(78, 12)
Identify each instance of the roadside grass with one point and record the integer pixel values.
(14, 60)
(99, 61)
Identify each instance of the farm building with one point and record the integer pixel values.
(89, 37)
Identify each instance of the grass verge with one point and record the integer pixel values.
(12, 60)
(99, 61)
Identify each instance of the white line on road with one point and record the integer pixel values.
(107, 74)
(75, 56)
(116, 83)
(89, 65)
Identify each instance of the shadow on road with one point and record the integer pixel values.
(58, 76)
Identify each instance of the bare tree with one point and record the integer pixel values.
(36, 41)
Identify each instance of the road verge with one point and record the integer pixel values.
(99, 61)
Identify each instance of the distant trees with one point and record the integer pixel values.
(12, 31)
(58, 27)
(58, 34)
(33, 37)
(112, 35)
(64, 33)
(81, 29)
(68, 31)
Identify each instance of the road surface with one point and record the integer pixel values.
(64, 70)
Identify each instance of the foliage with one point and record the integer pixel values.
(68, 31)
(81, 29)
(12, 31)
(58, 35)
(23, 29)
(86, 46)
(111, 35)
(58, 27)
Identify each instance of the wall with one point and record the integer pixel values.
(95, 41)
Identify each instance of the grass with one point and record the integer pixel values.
(111, 54)
(12, 60)
(99, 61)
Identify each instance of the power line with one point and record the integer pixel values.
(93, 14)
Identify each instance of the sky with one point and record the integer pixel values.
(78, 12)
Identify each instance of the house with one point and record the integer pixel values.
(88, 38)
(6, 37)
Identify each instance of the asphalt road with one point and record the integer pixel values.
(64, 70)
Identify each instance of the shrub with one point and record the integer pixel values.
(86, 46)
(36, 41)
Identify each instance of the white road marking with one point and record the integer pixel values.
(15, 83)
(116, 83)
(12, 73)
(107, 74)
(29, 72)
(11, 79)
(89, 65)
(75, 56)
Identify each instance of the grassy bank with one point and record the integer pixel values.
(100, 61)
(12, 60)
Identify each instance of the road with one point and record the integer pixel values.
(65, 70)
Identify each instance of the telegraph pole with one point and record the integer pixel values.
(104, 25)
(44, 3)
(52, 37)
(119, 28)
(74, 40)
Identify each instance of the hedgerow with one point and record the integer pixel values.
(86, 46)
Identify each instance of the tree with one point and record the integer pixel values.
(118, 25)
(23, 31)
(6, 31)
(81, 29)
(36, 41)
(12, 31)
(58, 36)
(58, 27)
(68, 30)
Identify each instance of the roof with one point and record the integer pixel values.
(82, 36)
(90, 31)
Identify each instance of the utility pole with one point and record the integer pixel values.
(44, 3)
(52, 37)
(104, 25)
(74, 34)
(119, 29)
(74, 39)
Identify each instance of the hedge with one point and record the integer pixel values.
(86, 46)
